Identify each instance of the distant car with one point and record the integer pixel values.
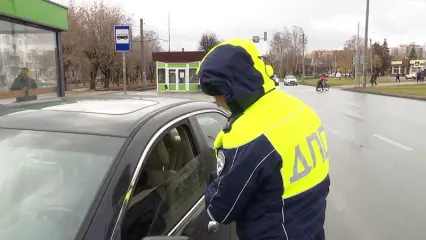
(338, 75)
(141, 172)
(290, 80)
(411, 76)
(122, 36)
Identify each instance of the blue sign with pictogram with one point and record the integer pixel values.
(123, 38)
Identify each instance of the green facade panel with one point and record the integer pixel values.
(176, 65)
(161, 65)
(38, 11)
(172, 87)
(194, 64)
(161, 87)
(182, 87)
(193, 87)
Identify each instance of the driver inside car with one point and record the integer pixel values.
(139, 217)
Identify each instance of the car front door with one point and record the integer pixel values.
(210, 124)
(195, 220)
(177, 167)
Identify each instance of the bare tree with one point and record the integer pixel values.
(88, 46)
(99, 20)
(72, 40)
(350, 44)
(207, 41)
(285, 50)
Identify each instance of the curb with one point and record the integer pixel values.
(122, 89)
(422, 98)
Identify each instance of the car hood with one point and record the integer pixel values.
(234, 69)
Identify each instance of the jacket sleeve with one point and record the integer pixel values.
(242, 174)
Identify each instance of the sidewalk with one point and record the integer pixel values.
(54, 96)
(383, 84)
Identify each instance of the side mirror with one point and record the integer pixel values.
(168, 238)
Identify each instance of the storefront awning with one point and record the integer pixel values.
(43, 13)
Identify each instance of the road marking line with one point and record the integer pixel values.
(354, 116)
(393, 142)
(353, 105)
(333, 131)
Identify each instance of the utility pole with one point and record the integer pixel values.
(169, 28)
(303, 55)
(371, 55)
(364, 72)
(142, 56)
(335, 62)
(357, 58)
(303, 52)
(313, 63)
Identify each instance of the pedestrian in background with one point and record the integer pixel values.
(24, 82)
(397, 77)
(271, 181)
(373, 79)
(424, 73)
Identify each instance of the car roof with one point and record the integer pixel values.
(112, 115)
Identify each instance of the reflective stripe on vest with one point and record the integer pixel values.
(296, 133)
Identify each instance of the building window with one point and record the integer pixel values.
(29, 66)
(395, 70)
(193, 78)
(161, 75)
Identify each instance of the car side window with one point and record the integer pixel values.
(185, 187)
(163, 185)
(211, 124)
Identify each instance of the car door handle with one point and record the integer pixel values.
(213, 226)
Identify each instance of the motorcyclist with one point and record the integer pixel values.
(272, 154)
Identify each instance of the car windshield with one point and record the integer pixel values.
(49, 180)
(290, 77)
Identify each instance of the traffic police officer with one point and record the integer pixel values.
(272, 154)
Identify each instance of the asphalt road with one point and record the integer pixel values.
(377, 151)
(378, 164)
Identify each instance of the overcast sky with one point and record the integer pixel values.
(327, 23)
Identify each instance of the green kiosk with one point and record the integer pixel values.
(176, 71)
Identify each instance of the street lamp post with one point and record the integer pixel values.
(364, 67)
(143, 75)
(142, 41)
(303, 51)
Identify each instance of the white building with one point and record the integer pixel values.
(23, 50)
(403, 50)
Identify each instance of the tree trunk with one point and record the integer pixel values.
(65, 82)
(93, 74)
(107, 75)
